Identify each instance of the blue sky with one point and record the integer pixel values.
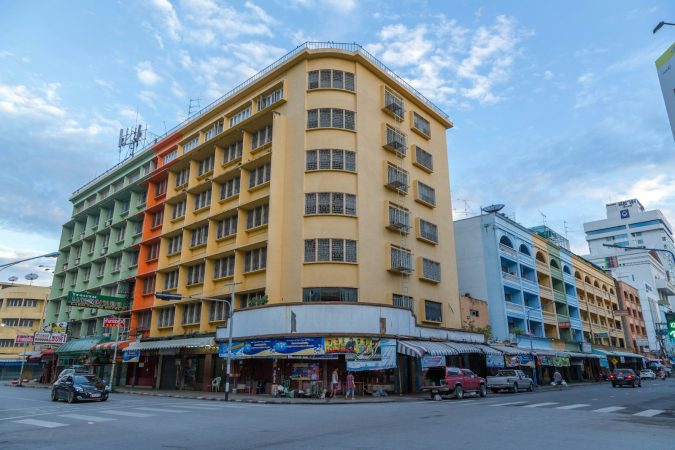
(557, 106)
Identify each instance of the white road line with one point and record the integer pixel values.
(41, 423)
(649, 413)
(575, 406)
(207, 408)
(86, 417)
(509, 403)
(609, 409)
(162, 410)
(537, 405)
(125, 413)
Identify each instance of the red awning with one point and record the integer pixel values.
(111, 345)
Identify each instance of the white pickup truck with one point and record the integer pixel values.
(513, 380)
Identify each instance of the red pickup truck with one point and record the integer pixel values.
(453, 381)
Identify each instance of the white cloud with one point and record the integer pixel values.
(168, 16)
(149, 98)
(104, 83)
(548, 75)
(653, 191)
(5, 54)
(18, 100)
(146, 74)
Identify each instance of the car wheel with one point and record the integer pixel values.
(530, 388)
(459, 392)
(515, 388)
(54, 396)
(71, 397)
(437, 397)
(104, 398)
(483, 391)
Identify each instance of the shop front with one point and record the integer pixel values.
(79, 352)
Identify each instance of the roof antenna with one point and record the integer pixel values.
(543, 217)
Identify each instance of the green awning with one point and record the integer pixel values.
(78, 345)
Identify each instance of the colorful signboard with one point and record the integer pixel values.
(59, 327)
(387, 358)
(86, 300)
(42, 337)
(670, 324)
(564, 325)
(113, 322)
(305, 371)
(23, 339)
(274, 347)
(433, 361)
(601, 335)
(131, 356)
(665, 67)
(360, 347)
(519, 360)
(494, 360)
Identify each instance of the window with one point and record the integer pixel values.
(399, 218)
(227, 227)
(138, 228)
(195, 274)
(394, 104)
(397, 178)
(105, 239)
(170, 156)
(223, 267)
(14, 302)
(217, 311)
(116, 263)
(259, 175)
(182, 177)
(396, 141)
(143, 320)
(153, 251)
(160, 188)
(331, 159)
(331, 118)
(206, 165)
(94, 221)
(121, 231)
(426, 194)
(230, 188)
(424, 159)
(261, 137)
(255, 259)
(474, 313)
(431, 270)
(91, 327)
(171, 280)
(421, 124)
(175, 244)
(6, 343)
(233, 151)
(11, 322)
(124, 206)
(133, 259)
(330, 203)
(606, 230)
(257, 216)
(330, 250)
(203, 199)
(266, 100)
(240, 116)
(32, 303)
(330, 79)
(402, 301)
(428, 231)
(178, 210)
(157, 219)
(329, 294)
(401, 259)
(165, 317)
(199, 235)
(191, 144)
(433, 311)
(149, 285)
(101, 270)
(215, 129)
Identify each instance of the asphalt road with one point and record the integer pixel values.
(584, 417)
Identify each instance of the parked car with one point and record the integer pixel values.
(513, 380)
(625, 377)
(647, 374)
(72, 370)
(453, 381)
(76, 387)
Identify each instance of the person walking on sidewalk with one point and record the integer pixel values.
(351, 386)
(334, 383)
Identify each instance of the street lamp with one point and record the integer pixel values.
(230, 302)
(14, 263)
(660, 25)
(529, 332)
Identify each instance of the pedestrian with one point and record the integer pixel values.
(334, 382)
(557, 378)
(351, 386)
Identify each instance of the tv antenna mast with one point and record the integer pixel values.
(194, 106)
(543, 217)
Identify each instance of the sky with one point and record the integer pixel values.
(556, 106)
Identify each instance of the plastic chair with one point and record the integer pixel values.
(215, 384)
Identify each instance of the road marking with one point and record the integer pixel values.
(575, 406)
(609, 409)
(86, 417)
(536, 405)
(509, 403)
(162, 410)
(208, 408)
(41, 423)
(125, 413)
(649, 413)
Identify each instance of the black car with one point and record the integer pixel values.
(625, 377)
(75, 387)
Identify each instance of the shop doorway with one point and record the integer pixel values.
(168, 376)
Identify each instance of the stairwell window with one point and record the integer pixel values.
(223, 267)
(399, 218)
(424, 159)
(233, 151)
(199, 235)
(330, 203)
(195, 274)
(431, 270)
(433, 311)
(255, 259)
(175, 244)
(402, 301)
(203, 199)
(421, 124)
(230, 188)
(331, 159)
(330, 250)
(331, 118)
(261, 137)
(257, 216)
(396, 141)
(227, 227)
(192, 313)
(178, 210)
(259, 175)
(171, 280)
(426, 194)
(330, 79)
(428, 231)
(206, 165)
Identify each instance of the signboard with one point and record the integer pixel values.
(642, 342)
(59, 327)
(604, 363)
(559, 361)
(621, 312)
(519, 360)
(601, 335)
(624, 213)
(361, 347)
(585, 347)
(86, 300)
(433, 361)
(665, 67)
(670, 325)
(274, 347)
(23, 339)
(386, 361)
(564, 325)
(305, 371)
(113, 322)
(42, 337)
(131, 356)
(494, 360)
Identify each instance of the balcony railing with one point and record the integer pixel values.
(543, 267)
(546, 291)
(508, 250)
(510, 277)
(514, 306)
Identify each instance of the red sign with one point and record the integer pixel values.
(113, 322)
(42, 337)
(564, 325)
(23, 339)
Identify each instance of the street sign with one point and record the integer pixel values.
(42, 337)
(86, 300)
(670, 323)
(602, 335)
(621, 312)
(642, 342)
(113, 322)
(23, 339)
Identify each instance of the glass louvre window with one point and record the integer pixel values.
(240, 116)
(397, 179)
(116, 263)
(396, 140)
(160, 188)
(203, 199)
(394, 104)
(313, 118)
(310, 250)
(428, 231)
(269, 99)
(133, 259)
(433, 311)
(171, 279)
(399, 218)
(178, 210)
(230, 188)
(149, 285)
(330, 203)
(350, 204)
(331, 118)
(227, 227)
(325, 79)
(191, 144)
(313, 79)
(257, 216)
(421, 124)
(214, 130)
(206, 165)
(402, 301)
(224, 267)
(431, 270)
(121, 231)
(233, 151)
(199, 236)
(124, 206)
(138, 227)
(175, 244)
(192, 313)
(426, 193)
(401, 259)
(424, 158)
(91, 245)
(165, 317)
(255, 259)
(153, 251)
(143, 321)
(100, 271)
(259, 175)
(330, 250)
(157, 219)
(217, 311)
(261, 137)
(329, 294)
(330, 79)
(195, 274)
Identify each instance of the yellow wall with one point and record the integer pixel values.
(23, 312)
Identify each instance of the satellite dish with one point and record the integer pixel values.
(493, 208)
(13, 279)
(32, 276)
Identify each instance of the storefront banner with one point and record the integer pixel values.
(604, 363)
(519, 360)
(494, 360)
(86, 300)
(386, 361)
(23, 339)
(433, 361)
(545, 360)
(274, 347)
(131, 356)
(360, 347)
(561, 362)
(305, 372)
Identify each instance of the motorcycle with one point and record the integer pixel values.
(662, 375)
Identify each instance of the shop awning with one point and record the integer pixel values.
(510, 350)
(78, 345)
(602, 353)
(111, 345)
(172, 343)
(463, 347)
(583, 355)
(408, 349)
(627, 354)
(488, 350)
(421, 348)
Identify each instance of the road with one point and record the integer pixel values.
(595, 416)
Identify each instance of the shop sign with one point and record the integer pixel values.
(274, 347)
(559, 361)
(642, 342)
(387, 360)
(360, 347)
(519, 360)
(494, 361)
(43, 337)
(59, 327)
(585, 347)
(604, 363)
(622, 359)
(113, 322)
(131, 356)
(86, 300)
(305, 372)
(601, 335)
(205, 350)
(23, 339)
(433, 361)
(621, 312)
(545, 360)
(564, 325)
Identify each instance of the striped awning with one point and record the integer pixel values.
(172, 343)
(510, 350)
(111, 345)
(488, 350)
(409, 349)
(464, 348)
(421, 348)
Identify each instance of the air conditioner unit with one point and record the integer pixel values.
(82, 235)
(65, 267)
(104, 250)
(108, 222)
(77, 261)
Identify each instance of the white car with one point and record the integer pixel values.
(647, 374)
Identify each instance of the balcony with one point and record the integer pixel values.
(543, 268)
(513, 278)
(549, 317)
(572, 300)
(508, 251)
(545, 291)
(529, 284)
(510, 306)
(559, 297)
(576, 323)
(556, 273)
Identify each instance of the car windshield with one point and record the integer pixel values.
(87, 379)
(507, 373)
(624, 372)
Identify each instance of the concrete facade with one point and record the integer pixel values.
(474, 313)
(634, 323)
(21, 312)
